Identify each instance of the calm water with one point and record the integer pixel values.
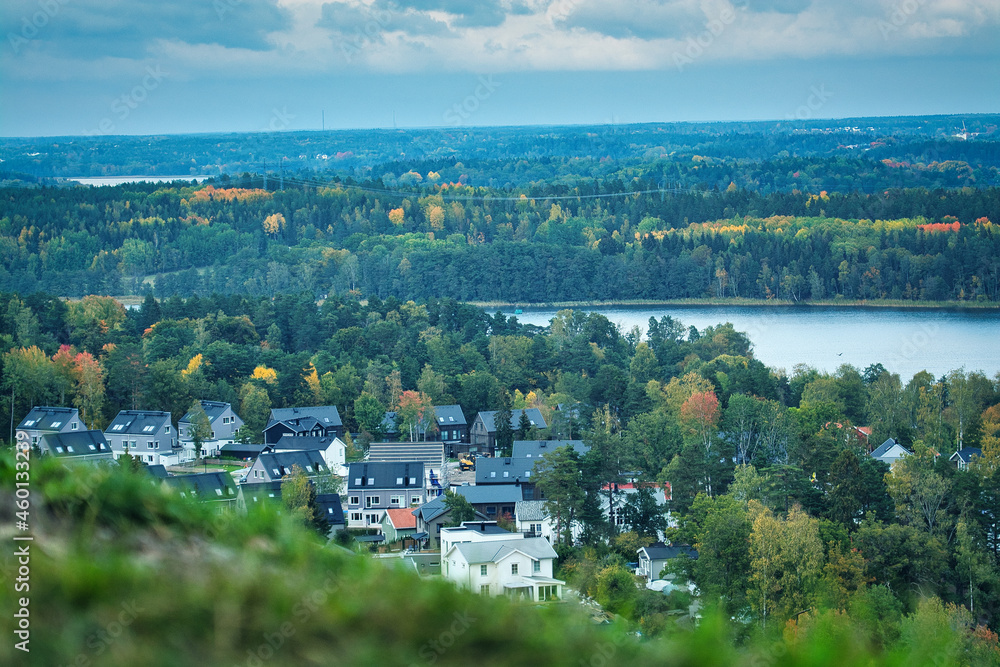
(905, 341)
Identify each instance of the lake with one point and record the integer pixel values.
(118, 180)
(903, 340)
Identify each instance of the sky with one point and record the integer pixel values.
(105, 67)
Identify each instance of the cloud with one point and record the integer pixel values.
(92, 29)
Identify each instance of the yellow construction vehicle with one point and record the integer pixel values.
(467, 462)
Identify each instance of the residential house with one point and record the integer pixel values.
(272, 466)
(431, 454)
(398, 524)
(508, 471)
(653, 559)
(146, 434)
(452, 428)
(211, 487)
(158, 471)
(963, 457)
(322, 420)
(535, 449)
(483, 434)
(890, 451)
(432, 516)
(76, 446)
(43, 419)
(533, 519)
(374, 487)
(482, 559)
(332, 449)
(492, 500)
(223, 422)
(241, 451)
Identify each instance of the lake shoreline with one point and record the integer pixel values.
(863, 304)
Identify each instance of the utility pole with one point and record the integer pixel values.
(265, 174)
(282, 172)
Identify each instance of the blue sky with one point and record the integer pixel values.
(114, 67)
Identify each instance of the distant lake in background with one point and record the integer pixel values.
(118, 180)
(905, 341)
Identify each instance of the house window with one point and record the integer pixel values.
(506, 474)
(353, 500)
(309, 468)
(117, 427)
(166, 429)
(513, 568)
(484, 589)
(148, 429)
(73, 426)
(396, 501)
(548, 593)
(415, 500)
(218, 492)
(413, 480)
(149, 444)
(150, 457)
(483, 570)
(357, 481)
(373, 501)
(493, 473)
(356, 516)
(536, 528)
(30, 422)
(56, 424)
(371, 481)
(536, 566)
(156, 445)
(373, 519)
(399, 481)
(59, 449)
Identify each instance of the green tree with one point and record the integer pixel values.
(255, 408)
(523, 426)
(459, 507)
(558, 477)
(502, 422)
(299, 495)
(369, 413)
(199, 427)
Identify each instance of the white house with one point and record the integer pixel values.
(890, 451)
(333, 450)
(654, 558)
(533, 519)
(491, 564)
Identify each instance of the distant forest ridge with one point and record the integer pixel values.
(899, 209)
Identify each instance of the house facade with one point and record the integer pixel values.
(533, 519)
(333, 450)
(146, 434)
(76, 446)
(224, 424)
(483, 433)
(481, 559)
(431, 518)
(43, 419)
(890, 451)
(317, 421)
(273, 466)
(398, 524)
(374, 487)
(453, 429)
(431, 454)
(536, 449)
(964, 457)
(654, 558)
(492, 500)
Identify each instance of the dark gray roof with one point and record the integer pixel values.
(255, 492)
(386, 475)
(966, 454)
(504, 470)
(138, 422)
(213, 409)
(76, 443)
(329, 508)
(884, 447)
(283, 462)
(490, 493)
(534, 416)
(241, 451)
(324, 414)
(303, 442)
(660, 551)
(45, 418)
(448, 416)
(205, 485)
(159, 470)
(538, 448)
(435, 508)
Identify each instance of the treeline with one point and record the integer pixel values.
(451, 240)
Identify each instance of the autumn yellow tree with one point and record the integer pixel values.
(396, 216)
(267, 375)
(274, 223)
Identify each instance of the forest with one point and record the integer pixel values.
(798, 530)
